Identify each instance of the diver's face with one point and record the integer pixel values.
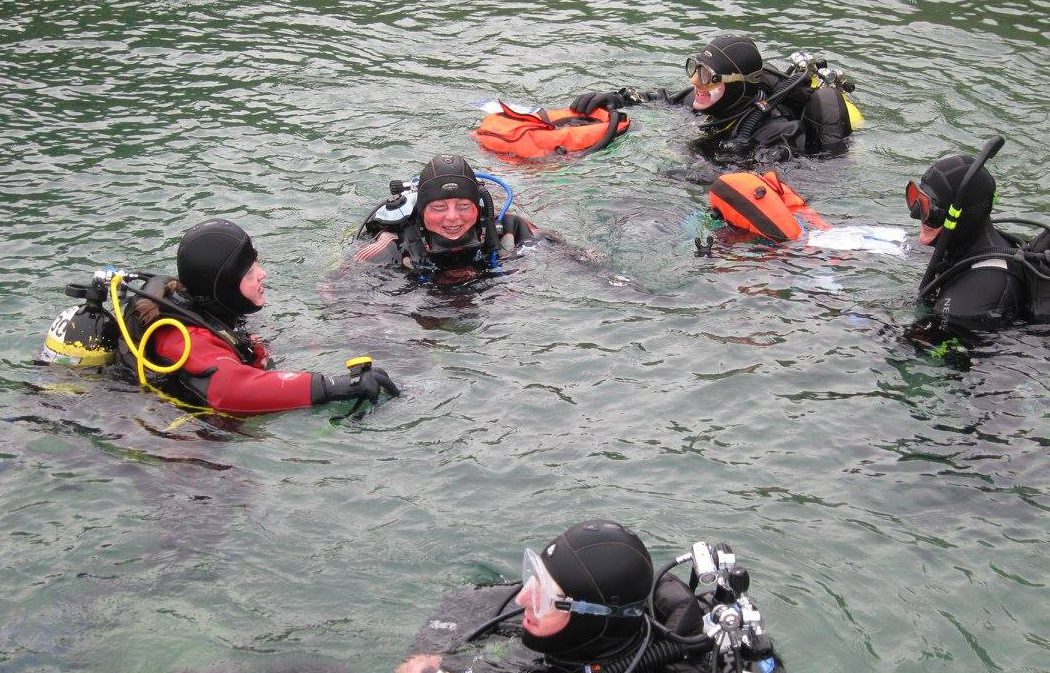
(922, 204)
(540, 626)
(450, 218)
(252, 285)
(707, 95)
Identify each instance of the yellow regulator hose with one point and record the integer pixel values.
(139, 352)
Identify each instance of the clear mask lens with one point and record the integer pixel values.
(539, 588)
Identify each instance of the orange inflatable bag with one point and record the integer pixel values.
(545, 132)
(763, 205)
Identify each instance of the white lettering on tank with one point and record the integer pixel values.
(58, 328)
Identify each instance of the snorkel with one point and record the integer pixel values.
(953, 214)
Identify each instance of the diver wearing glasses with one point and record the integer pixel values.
(752, 108)
(444, 224)
(978, 277)
(588, 601)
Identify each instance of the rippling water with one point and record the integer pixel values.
(892, 509)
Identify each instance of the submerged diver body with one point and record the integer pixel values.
(587, 603)
(979, 278)
(220, 282)
(751, 109)
(443, 225)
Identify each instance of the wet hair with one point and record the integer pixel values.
(600, 562)
(213, 257)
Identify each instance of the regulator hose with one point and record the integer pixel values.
(492, 622)
(140, 351)
(506, 189)
(755, 114)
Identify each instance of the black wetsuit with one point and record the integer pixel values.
(406, 245)
(806, 119)
(501, 649)
(985, 295)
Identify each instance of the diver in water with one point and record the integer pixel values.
(979, 278)
(220, 282)
(443, 225)
(752, 110)
(587, 602)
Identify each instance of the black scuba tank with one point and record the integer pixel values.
(85, 335)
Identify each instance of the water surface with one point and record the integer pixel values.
(892, 509)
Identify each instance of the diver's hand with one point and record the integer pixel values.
(366, 385)
(421, 663)
(587, 103)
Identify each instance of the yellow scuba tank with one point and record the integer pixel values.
(85, 335)
(825, 76)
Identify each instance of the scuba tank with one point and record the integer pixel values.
(806, 70)
(85, 335)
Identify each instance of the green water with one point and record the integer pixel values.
(892, 510)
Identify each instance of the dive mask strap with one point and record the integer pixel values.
(636, 609)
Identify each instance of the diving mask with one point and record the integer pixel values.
(702, 74)
(543, 596)
(923, 207)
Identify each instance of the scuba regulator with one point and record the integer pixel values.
(732, 637)
(395, 212)
(803, 61)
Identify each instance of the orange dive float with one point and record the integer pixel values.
(545, 132)
(764, 205)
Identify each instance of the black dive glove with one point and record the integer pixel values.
(587, 103)
(366, 385)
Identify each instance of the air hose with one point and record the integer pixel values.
(653, 659)
(763, 106)
(140, 351)
(506, 188)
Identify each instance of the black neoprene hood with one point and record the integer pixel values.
(212, 259)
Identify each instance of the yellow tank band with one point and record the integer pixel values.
(856, 119)
(79, 354)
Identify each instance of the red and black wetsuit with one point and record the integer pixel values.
(216, 376)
